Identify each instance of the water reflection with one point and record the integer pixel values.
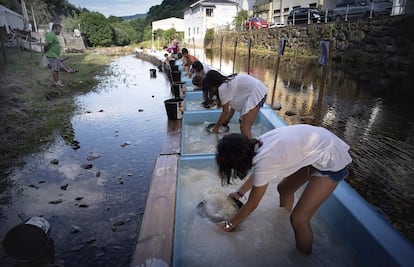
(369, 108)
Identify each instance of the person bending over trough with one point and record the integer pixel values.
(237, 92)
(293, 154)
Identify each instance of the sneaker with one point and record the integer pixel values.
(59, 83)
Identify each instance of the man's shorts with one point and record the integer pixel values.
(54, 63)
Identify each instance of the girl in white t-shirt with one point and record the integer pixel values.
(236, 92)
(293, 154)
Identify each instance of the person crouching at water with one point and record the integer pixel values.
(293, 154)
(237, 92)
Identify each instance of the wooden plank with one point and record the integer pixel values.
(172, 140)
(155, 241)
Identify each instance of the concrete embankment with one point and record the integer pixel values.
(378, 41)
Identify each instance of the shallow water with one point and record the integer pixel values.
(97, 217)
(199, 140)
(266, 233)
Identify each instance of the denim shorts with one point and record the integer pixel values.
(261, 103)
(335, 176)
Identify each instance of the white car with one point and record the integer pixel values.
(277, 25)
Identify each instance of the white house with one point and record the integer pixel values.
(208, 14)
(166, 24)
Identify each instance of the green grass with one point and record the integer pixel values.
(32, 111)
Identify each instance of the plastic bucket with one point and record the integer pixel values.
(176, 76)
(153, 73)
(174, 108)
(29, 240)
(178, 89)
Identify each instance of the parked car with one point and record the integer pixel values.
(277, 25)
(256, 23)
(303, 14)
(354, 9)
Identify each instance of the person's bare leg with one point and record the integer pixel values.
(316, 192)
(289, 185)
(55, 76)
(247, 121)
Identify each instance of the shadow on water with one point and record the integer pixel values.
(371, 109)
(92, 183)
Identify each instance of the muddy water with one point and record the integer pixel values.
(95, 211)
(371, 109)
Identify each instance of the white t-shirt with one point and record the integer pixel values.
(206, 68)
(243, 92)
(287, 149)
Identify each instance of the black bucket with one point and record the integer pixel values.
(153, 73)
(178, 89)
(176, 76)
(28, 241)
(174, 108)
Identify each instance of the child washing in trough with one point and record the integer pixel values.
(293, 154)
(237, 92)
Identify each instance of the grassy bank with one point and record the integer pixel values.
(32, 111)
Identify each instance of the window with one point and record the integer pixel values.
(209, 12)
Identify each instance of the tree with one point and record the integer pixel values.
(124, 33)
(139, 26)
(170, 34)
(209, 36)
(71, 22)
(96, 28)
(239, 19)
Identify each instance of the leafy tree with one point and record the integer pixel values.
(168, 9)
(239, 19)
(139, 26)
(170, 34)
(209, 36)
(147, 33)
(96, 28)
(113, 19)
(124, 33)
(71, 22)
(159, 33)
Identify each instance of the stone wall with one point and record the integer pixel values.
(382, 41)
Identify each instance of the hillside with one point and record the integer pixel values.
(168, 9)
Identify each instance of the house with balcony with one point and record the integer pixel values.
(208, 14)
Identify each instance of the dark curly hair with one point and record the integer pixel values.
(234, 156)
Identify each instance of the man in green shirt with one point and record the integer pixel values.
(52, 52)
